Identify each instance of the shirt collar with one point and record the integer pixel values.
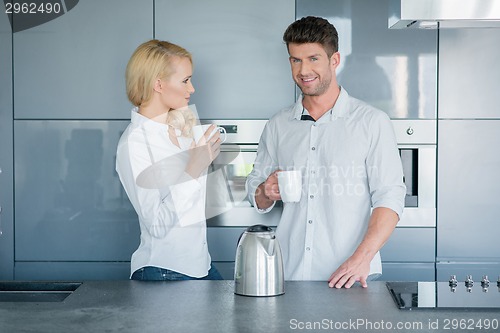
(339, 110)
(138, 119)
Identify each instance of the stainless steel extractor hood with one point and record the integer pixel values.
(434, 14)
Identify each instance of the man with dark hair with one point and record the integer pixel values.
(348, 156)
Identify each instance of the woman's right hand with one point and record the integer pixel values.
(202, 153)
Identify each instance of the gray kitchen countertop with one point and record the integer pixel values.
(211, 306)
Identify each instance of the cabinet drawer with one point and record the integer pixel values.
(410, 245)
(222, 242)
(407, 272)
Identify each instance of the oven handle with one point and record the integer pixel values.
(252, 148)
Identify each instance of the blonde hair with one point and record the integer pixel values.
(150, 61)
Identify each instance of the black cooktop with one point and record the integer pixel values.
(445, 295)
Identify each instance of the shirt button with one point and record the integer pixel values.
(313, 148)
(308, 248)
(310, 221)
(311, 196)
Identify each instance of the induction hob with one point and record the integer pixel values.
(446, 295)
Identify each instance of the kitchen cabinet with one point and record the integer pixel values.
(468, 87)
(69, 203)
(241, 68)
(409, 255)
(468, 159)
(73, 67)
(72, 216)
(72, 270)
(222, 244)
(404, 271)
(393, 70)
(6, 153)
(468, 192)
(411, 245)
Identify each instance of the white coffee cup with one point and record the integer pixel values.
(199, 131)
(290, 185)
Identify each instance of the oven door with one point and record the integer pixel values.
(419, 168)
(227, 203)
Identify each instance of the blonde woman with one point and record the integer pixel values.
(172, 215)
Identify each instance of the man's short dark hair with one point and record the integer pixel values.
(313, 29)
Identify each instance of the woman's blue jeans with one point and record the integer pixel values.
(160, 274)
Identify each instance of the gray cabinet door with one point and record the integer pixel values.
(73, 67)
(394, 70)
(241, 68)
(410, 245)
(408, 271)
(468, 88)
(69, 203)
(468, 190)
(6, 152)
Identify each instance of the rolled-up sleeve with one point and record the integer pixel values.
(384, 168)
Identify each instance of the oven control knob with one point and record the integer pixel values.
(453, 280)
(469, 283)
(453, 283)
(485, 283)
(409, 131)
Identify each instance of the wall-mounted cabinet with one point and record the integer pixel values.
(73, 66)
(394, 70)
(469, 74)
(69, 203)
(468, 190)
(468, 159)
(241, 68)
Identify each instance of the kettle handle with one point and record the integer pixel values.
(239, 238)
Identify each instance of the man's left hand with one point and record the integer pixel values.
(351, 271)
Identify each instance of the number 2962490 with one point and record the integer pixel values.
(32, 8)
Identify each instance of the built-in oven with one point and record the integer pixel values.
(417, 147)
(227, 204)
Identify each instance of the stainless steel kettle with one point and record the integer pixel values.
(258, 267)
